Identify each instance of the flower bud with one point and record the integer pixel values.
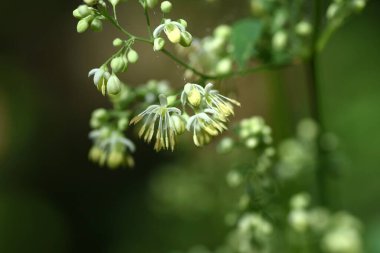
(117, 42)
(182, 22)
(303, 28)
(193, 95)
(224, 66)
(132, 56)
(82, 26)
(166, 7)
(358, 5)
(179, 124)
(114, 2)
(117, 64)
(77, 14)
(122, 124)
(115, 159)
(151, 3)
(159, 44)
(173, 33)
(90, 2)
(84, 11)
(95, 154)
(113, 85)
(186, 39)
(225, 145)
(97, 25)
(279, 40)
(222, 31)
(332, 10)
(99, 114)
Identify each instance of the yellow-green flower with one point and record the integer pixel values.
(159, 119)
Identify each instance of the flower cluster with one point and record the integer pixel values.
(88, 17)
(211, 112)
(212, 54)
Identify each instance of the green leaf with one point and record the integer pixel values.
(245, 34)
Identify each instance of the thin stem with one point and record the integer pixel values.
(147, 18)
(315, 106)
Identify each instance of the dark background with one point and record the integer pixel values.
(53, 200)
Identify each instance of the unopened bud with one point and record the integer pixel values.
(90, 2)
(82, 26)
(159, 44)
(358, 5)
(122, 124)
(151, 3)
(97, 25)
(166, 6)
(280, 40)
(182, 22)
(117, 42)
(186, 39)
(303, 28)
(224, 66)
(117, 64)
(132, 56)
(222, 31)
(77, 14)
(193, 95)
(115, 159)
(113, 85)
(84, 11)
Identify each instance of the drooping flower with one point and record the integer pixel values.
(192, 93)
(175, 31)
(111, 148)
(159, 118)
(101, 76)
(204, 126)
(218, 102)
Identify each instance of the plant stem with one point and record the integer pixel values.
(315, 105)
(147, 18)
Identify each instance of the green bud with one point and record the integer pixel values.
(125, 61)
(115, 159)
(279, 40)
(303, 28)
(179, 124)
(186, 39)
(113, 85)
(123, 124)
(222, 31)
(159, 44)
(100, 114)
(332, 10)
(97, 25)
(182, 22)
(82, 26)
(224, 66)
(84, 11)
(77, 14)
(166, 6)
(151, 3)
(358, 5)
(90, 2)
(114, 2)
(117, 64)
(132, 56)
(226, 145)
(117, 42)
(95, 154)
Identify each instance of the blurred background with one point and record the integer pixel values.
(52, 199)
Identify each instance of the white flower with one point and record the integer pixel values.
(101, 76)
(218, 102)
(172, 29)
(166, 128)
(204, 126)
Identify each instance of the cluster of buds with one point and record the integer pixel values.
(88, 17)
(175, 32)
(339, 10)
(212, 54)
(109, 83)
(339, 232)
(110, 147)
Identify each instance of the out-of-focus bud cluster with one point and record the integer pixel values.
(110, 147)
(286, 26)
(338, 232)
(339, 10)
(210, 55)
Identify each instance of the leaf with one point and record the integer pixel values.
(245, 34)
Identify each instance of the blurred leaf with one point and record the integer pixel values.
(245, 34)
